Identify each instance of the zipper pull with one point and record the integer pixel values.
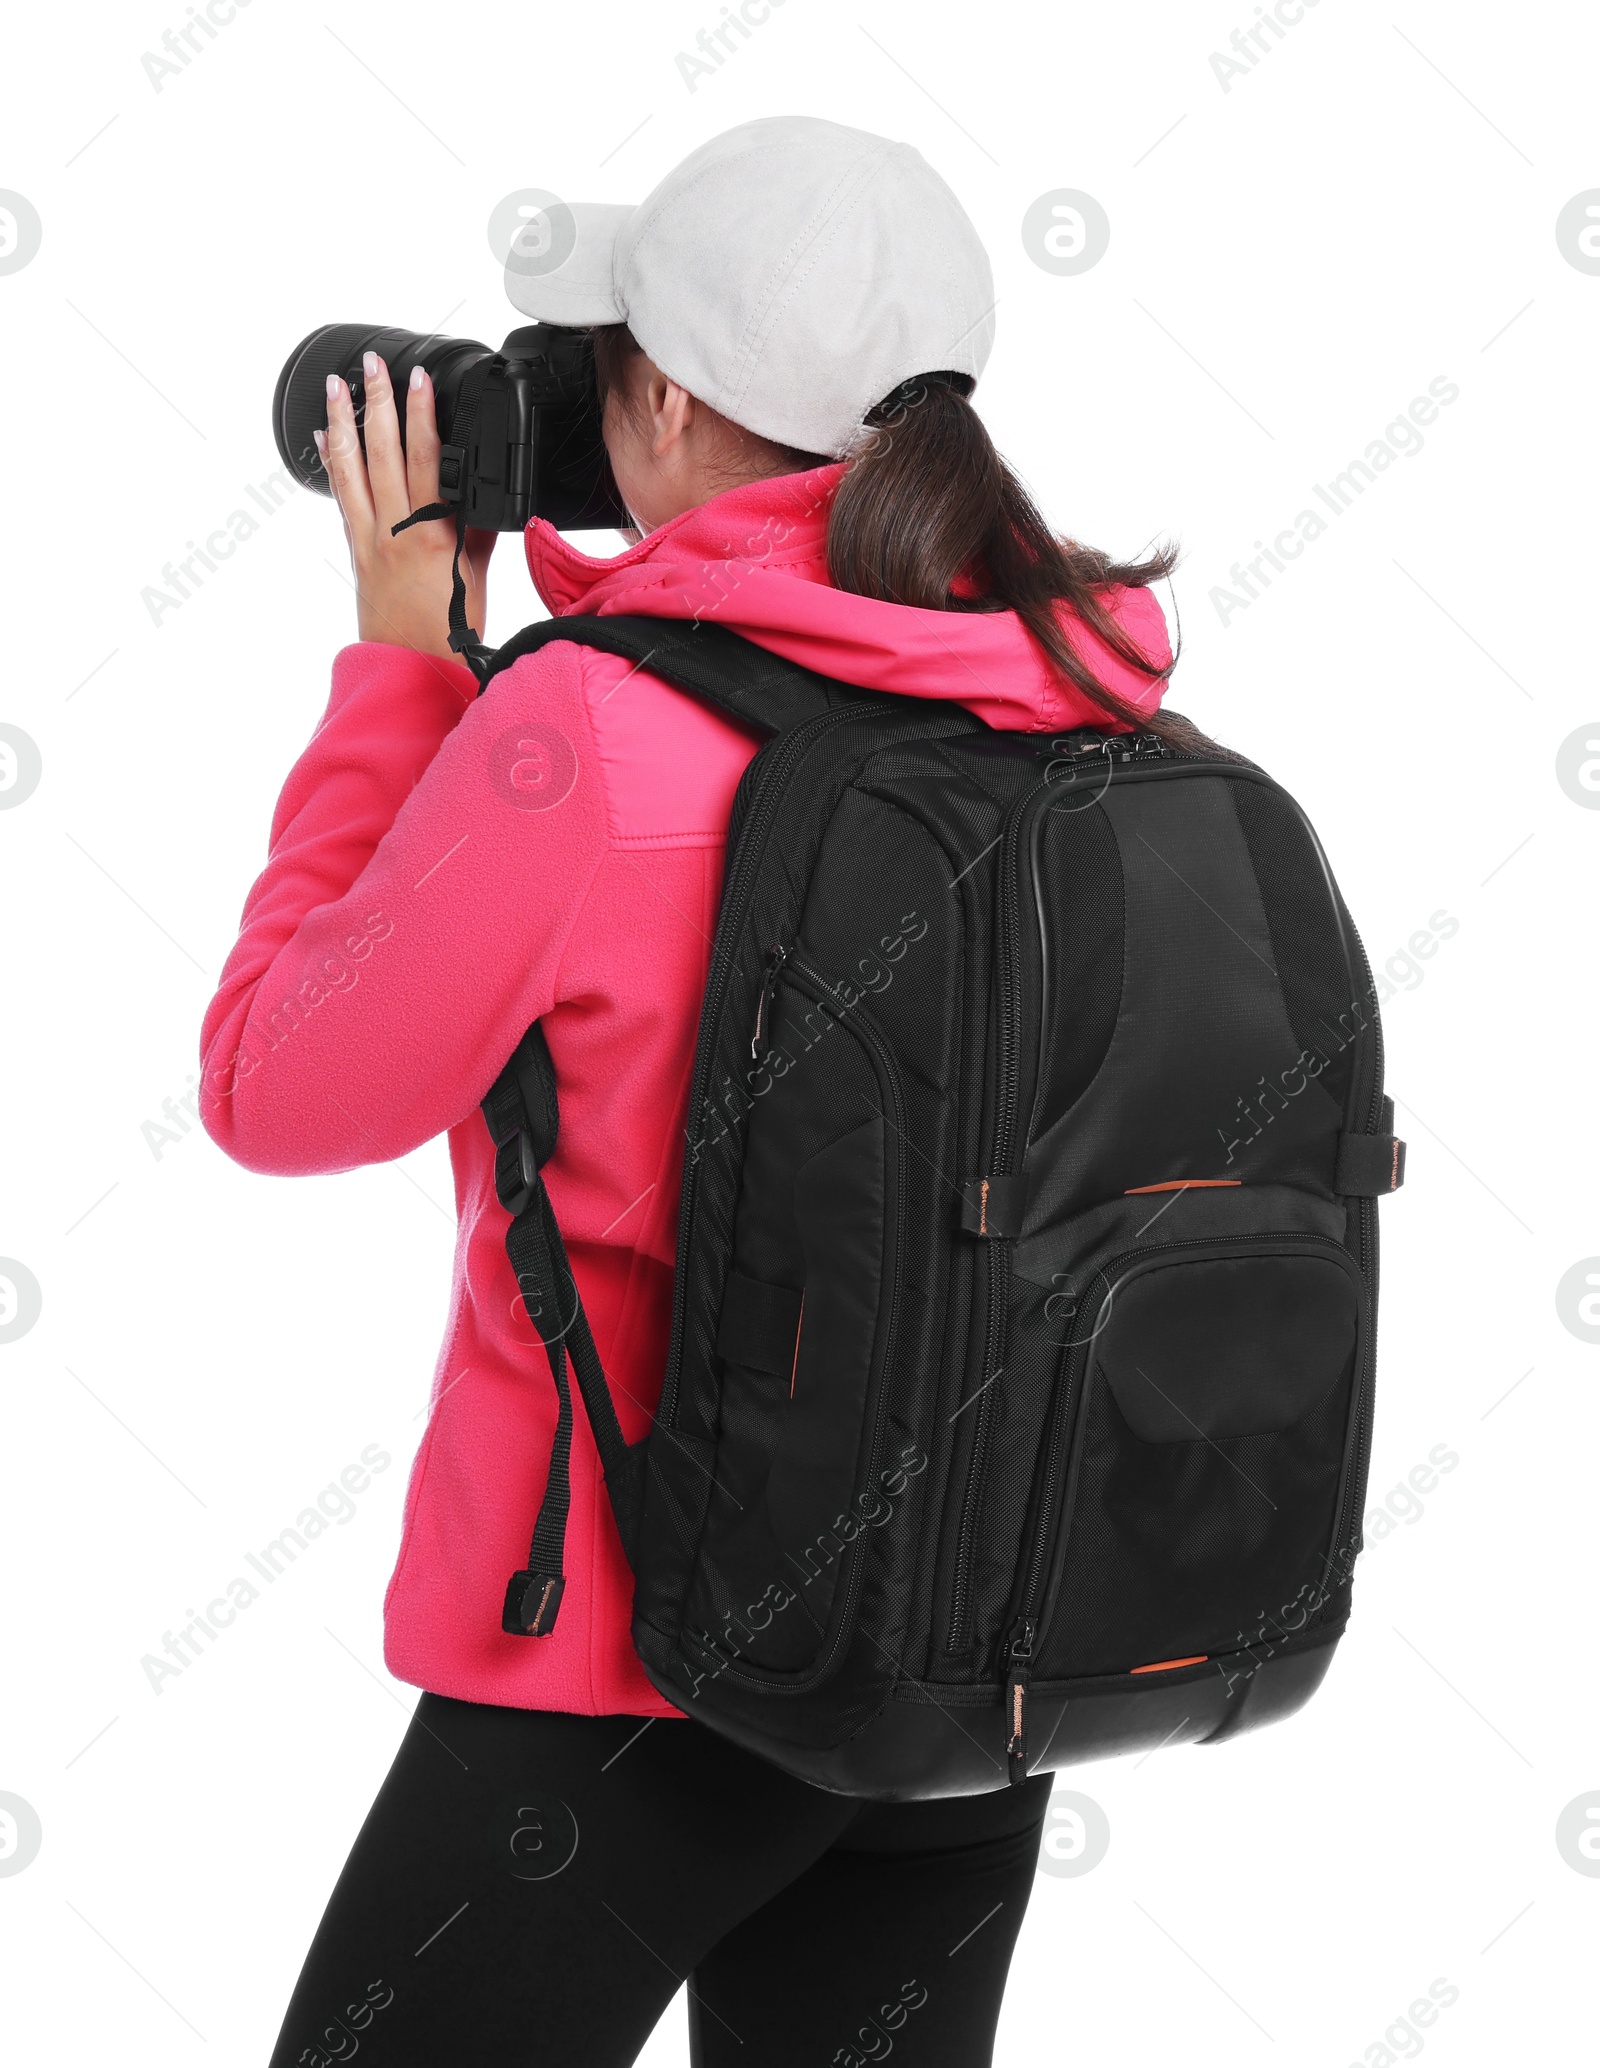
(776, 958)
(1020, 1653)
(1134, 746)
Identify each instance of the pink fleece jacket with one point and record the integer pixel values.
(444, 869)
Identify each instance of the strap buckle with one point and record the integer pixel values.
(516, 1173)
(452, 472)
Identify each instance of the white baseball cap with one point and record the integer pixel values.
(791, 273)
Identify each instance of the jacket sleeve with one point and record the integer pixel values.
(429, 855)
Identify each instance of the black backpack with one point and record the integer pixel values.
(1019, 1397)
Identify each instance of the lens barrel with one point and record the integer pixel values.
(300, 401)
(528, 418)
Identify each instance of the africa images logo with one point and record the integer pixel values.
(533, 766)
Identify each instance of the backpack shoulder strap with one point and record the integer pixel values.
(762, 690)
(723, 668)
(522, 1114)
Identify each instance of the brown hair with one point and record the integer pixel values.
(929, 514)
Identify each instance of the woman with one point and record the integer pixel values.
(556, 1848)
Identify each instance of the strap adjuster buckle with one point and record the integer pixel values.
(452, 472)
(532, 1600)
(516, 1173)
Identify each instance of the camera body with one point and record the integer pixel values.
(519, 428)
(534, 447)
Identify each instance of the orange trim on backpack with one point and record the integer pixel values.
(1166, 1665)
(1182, 1185)
(799, 1324)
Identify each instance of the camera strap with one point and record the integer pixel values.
(465, 639)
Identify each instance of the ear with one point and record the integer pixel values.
(672, 411)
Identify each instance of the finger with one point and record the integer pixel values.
(347, 470)
(319, 439)
(386, 463)
(422, 441)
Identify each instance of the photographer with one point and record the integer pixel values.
(785, 335)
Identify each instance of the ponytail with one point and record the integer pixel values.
(930, 515)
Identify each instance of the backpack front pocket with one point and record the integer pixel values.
(1195, 1471)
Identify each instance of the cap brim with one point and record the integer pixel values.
(574, 282)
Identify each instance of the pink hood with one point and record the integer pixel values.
(755, 560)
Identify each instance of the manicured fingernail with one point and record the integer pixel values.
(320, 440)
(369, 365)
(335, 387)
(417, 378)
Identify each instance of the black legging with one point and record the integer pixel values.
(532, 1888)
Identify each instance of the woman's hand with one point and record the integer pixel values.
(402, 584)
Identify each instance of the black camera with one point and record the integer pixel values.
(519, 428)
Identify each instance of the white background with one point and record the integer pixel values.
(1292, 259)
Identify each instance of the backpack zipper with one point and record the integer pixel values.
(996, 1265)
(755, 821)
(1366, 1235)
(1116, 748)
(997, 1252)
(1019, 1653)
(776, 957)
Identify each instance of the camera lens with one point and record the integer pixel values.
(300, 402)
(521, 426)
